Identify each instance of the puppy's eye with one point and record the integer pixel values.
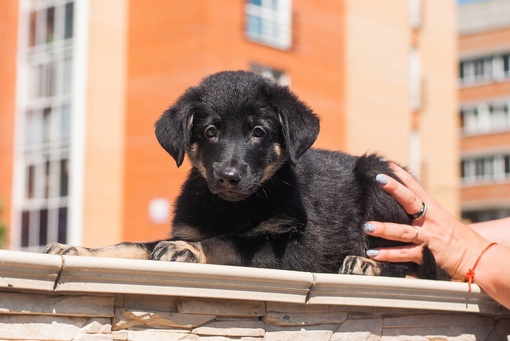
(211, 132)
(258, 132)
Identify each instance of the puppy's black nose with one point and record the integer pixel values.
(230, 176)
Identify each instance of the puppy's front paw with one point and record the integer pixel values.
(356, 265)
(61, 249)
(179, 251)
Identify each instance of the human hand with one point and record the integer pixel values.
(454, 245)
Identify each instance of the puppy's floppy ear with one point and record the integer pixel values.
(300, 125)
(173, 128)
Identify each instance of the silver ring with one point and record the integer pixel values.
(419, 214)
(417, 234)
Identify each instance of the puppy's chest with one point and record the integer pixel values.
(247, 219)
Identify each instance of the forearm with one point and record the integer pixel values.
(492, 277)
(494, 230)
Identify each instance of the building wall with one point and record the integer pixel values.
(8, 43)
(377, 105)
(438, 119)
(379, 113)
(484, 29)
(104, 123)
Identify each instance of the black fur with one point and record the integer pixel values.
(319, 198)
(257, 195)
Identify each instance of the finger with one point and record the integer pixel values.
(404, 196)
(409, 181)
(398, 254)
(393, 231)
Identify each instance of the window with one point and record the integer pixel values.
(415, 79)
(486, 168)
(46, 106)
(269, 22)
(278, 75)
(414, 13)
(485, 117)
(485, 69)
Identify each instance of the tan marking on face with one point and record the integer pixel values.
(277, 150)
(272, 167)
(195, 159)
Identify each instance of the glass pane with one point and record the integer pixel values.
(39, 81)
(66, 86)
(30, 182)
(29, 127)
(68, 26)
(254, 26)
(64, 177)
(32, 29)
(47, 168)
(46, 124)
(25, 228)
(37, 128)
(65, 122)
(43, 227)
(50, 24)
(49, 84)
(506, 63)
(62, 225)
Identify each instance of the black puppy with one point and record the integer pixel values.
(257, 195)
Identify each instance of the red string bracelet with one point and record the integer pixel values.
(470, 275)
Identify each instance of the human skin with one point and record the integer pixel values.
(455, 245)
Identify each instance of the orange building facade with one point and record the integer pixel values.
(484, 52)
(371, 73)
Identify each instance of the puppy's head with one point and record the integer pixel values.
(237, 128)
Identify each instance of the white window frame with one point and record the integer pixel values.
(275, 18)
(415, 13)
(493, 69)
(487, 168)
(479, 119)
(277, 75)
(415, 80)
(60, 144)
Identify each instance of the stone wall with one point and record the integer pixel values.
(46, 297)
(38, 316)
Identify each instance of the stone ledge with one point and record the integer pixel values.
(70, 274)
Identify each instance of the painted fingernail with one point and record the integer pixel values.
(372, 253)
(381, 178)
(368, 227)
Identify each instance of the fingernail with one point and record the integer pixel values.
(367, 227)
(381, 178)
(372, 253)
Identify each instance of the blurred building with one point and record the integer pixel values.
(84, 81)
(484, 52)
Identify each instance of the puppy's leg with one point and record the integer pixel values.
(356, 265)
(219, 250)
(122, 250)
(179, 251)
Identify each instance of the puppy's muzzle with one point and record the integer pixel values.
(229, 177)
(232, 182)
